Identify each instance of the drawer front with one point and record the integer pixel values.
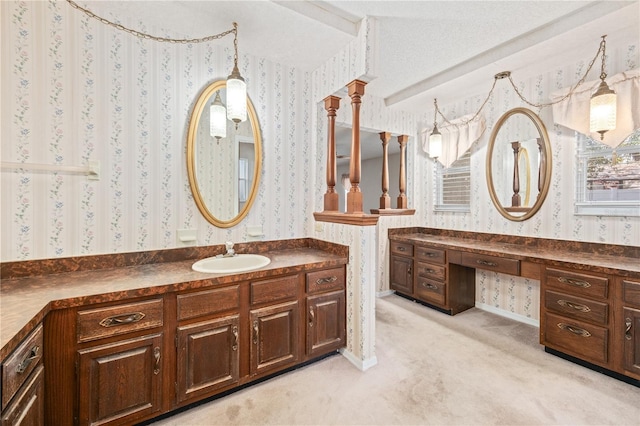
(577, 307)
(110, 321)
(193, 305)
(329, 279)
(431, 291)
(631, 293)
(427, 270)
(577, 283)
(403, 249)
(17, 367)
(582, 340)
(491, 263)
(274, 290)
(431, 255)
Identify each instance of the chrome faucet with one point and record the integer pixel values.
(230, 251)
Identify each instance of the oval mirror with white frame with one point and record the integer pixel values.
(224, 160)
(518, 164)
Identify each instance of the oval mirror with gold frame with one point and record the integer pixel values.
(518, 164)
(224, 172)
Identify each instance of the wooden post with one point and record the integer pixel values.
(354, 196)
(331, 104)
(515, 198)
(402, 198)
(385, 199)
(542, 164)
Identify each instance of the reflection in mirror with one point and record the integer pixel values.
(518, 164)
(223, 170)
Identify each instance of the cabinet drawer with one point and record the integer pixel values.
(274, 290)
(431, 255)
(577, 283)
(491, 263)
(585, 341)
(208, 302)
(28, 406)
(431, 291)
(631, 292)
(403, 249)
(329, 279)
(577, 307)
(110, 321)
(17, 367)
(427, 270)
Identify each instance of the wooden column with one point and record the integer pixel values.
(331, 104)
(542, 164)
(515, 198)
(385, 199)
(354, 196)
(402, 198)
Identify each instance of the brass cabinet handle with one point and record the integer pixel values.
(33, 354)
(255, 332)
(429, 286)
(430, 271)
(327, 280)
(234, 330)
(577, 306)
(400, 248)
(409, 271)
(573, 329)
(156, 355)
(486, 263)
(428, 254)
(312, 316)
(122, 319)
(627, 331)
(573, 282)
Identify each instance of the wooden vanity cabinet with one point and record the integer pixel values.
(401, 267)
(630, 327)
(23, 383)
(325, 311)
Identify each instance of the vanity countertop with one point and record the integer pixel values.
(25, 300)
(605, 258)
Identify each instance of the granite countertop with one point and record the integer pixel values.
(24, 301)
(553, 252)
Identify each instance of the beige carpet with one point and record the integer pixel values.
(473, 368)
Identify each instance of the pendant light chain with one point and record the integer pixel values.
(507, 74)
(160, 39)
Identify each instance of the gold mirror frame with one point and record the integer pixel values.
(545, 173)
(198, 109)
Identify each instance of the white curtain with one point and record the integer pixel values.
(573, 112)
(457, 137)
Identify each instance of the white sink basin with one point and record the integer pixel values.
(227, 265)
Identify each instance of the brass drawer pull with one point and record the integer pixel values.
(573, 329)
(573, 282)
(400, 248)
(255, 332)
(577, 306)
(428, 254)
(430, 271)
(327, 280)
(156, 355)
(122, 319)
(430, 286)
(485, 263)
(33, 354)
(312, 316)
(627, 331)
(234, 330)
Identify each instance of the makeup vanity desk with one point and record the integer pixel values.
(589, 292)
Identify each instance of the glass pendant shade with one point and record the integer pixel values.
(218, 118)
(435, 143)
(602, 114)
(236, 97)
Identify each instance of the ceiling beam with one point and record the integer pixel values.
(323, 12)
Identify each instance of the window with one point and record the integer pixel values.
(608, 180)
(453, 185)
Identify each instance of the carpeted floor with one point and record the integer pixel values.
(473, 368)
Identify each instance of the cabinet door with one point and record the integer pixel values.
(632, 340)
(274, 337)
(208, 356)
(120, 382)
(27, 409)
(401, 273)
(325, 323)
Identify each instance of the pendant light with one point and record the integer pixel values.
(236, 88)
(435, 138)
(602, 113)
(218, 118)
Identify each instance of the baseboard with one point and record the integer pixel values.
(507, 314)
(362, 365)
(384, 293)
